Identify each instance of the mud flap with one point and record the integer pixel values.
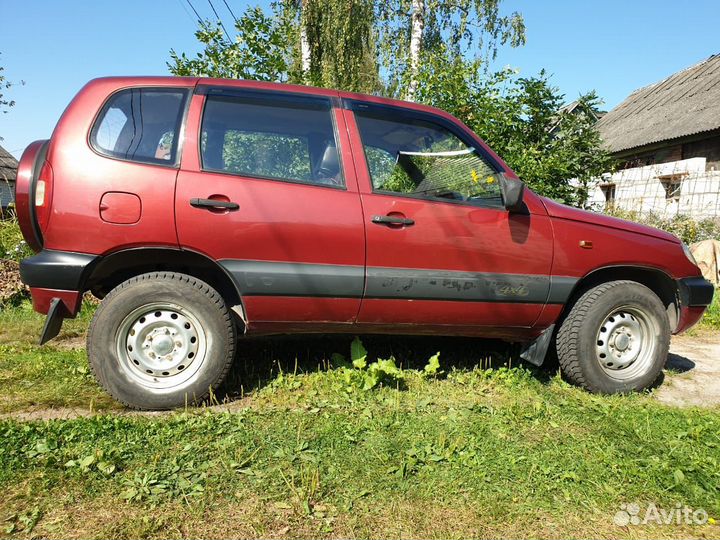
(536, 351)
(53, 322)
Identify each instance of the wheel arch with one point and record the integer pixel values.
(112, 269)
(658, 281)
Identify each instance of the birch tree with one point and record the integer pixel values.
(305, 54)
(5, 104)
(413, 31)
(329, 43)
(417, 24)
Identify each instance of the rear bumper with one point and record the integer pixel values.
(695, 295)
(56, 282)
(50, 269)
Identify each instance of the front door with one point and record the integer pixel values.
(268, 198)
(441, 248)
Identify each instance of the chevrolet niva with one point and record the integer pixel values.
(201, 210)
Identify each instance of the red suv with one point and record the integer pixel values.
(202, 209)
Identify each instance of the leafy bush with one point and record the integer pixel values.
(689, 230)
(12, 245)
(361, 375)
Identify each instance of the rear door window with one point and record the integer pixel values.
(275, 138)
(141, 124)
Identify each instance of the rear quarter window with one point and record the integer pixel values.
(141, 124)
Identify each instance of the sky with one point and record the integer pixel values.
(56, 46)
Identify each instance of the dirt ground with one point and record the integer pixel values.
(693, 371)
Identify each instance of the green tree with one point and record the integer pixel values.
(258, 52)
(328, 43)
(523, 120)
(546, 144)
(411, 31)
(340, 34)
(347, 44)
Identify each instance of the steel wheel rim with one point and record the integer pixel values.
(626, 343)
(161, 346)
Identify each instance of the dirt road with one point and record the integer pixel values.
(693, 372)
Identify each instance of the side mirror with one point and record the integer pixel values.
(512, 192)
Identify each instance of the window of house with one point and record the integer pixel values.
(267, 138)
(139, 124)
(672, 184)
(416, 157)
(608, 191)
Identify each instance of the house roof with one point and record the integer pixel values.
(570, 108)
(8, 166)
(683, 104)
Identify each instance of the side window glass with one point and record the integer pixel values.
(420, 158)
(139, 124)
(267, 139)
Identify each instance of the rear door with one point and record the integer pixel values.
(263, 191)
(441, 248)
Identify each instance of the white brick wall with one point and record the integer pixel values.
(641, 189)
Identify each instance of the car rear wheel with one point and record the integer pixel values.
(615, 338)
(161, 340)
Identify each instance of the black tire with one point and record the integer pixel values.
(597, 340)
(183, 313)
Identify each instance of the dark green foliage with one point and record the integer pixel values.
(342, 45)
(522, 119)
(259, 51)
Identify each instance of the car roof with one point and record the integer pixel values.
(167, 80)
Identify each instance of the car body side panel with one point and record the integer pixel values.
(82, 177)
(612, 247)
(479, 265)
(286, 244)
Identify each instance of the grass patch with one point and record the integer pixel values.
(324, 446)
(313, 459)
(711, 319)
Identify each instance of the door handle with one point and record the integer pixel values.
(214, 204)
(392, 220)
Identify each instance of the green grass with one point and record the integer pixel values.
(494, 452)
(52, 376)
(304, 451)
(12, 244)
(711, 319)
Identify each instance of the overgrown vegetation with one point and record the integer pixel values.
(688, 229)
(711, 319)
(12, 245)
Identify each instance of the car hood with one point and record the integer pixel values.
(561, 211)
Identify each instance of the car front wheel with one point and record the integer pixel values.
(615, 338)
(161, 340)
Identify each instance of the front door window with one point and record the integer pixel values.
(417, 158)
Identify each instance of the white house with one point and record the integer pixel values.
(666, 137)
